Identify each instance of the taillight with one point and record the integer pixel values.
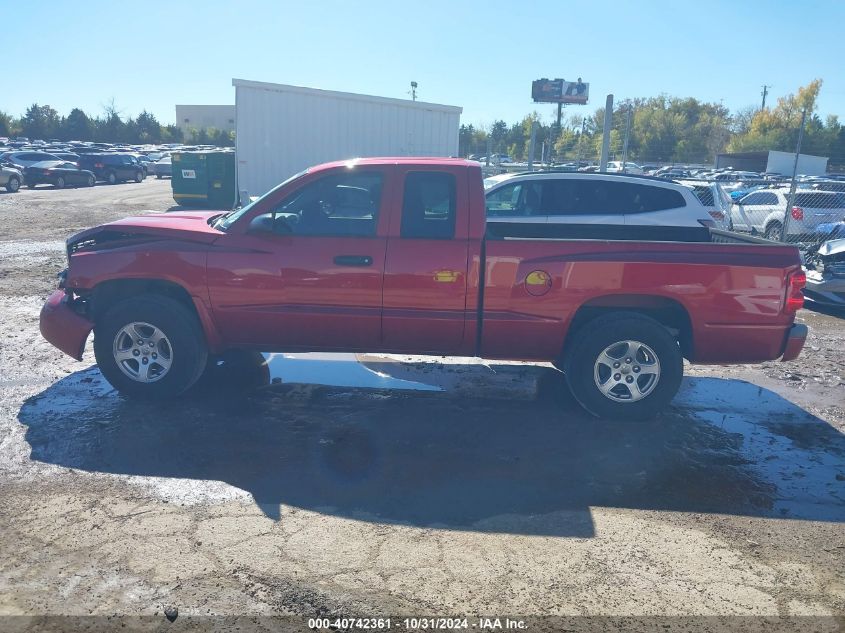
(794, 297)
(797, 213)
(98, 165)
(717, 215)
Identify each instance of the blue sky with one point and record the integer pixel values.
(478, 55)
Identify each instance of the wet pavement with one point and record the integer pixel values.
(405, 442)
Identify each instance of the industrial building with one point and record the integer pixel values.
(283, 129)
(773, 162)
(220, 117)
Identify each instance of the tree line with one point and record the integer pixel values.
(668, 130)
(43, 122)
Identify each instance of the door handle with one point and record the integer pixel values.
(353, 260)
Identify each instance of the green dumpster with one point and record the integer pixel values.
(204, 179)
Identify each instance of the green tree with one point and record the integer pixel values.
(40, 122)
(76, 127)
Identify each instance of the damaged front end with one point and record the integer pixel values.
(825, 265)
(63, 325)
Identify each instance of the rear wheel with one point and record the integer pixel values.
(60, 183)
(150, 346)
(111, 178)
(773, 231)
(624, 366)
(13, 184)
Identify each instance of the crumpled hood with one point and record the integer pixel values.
(190, 226)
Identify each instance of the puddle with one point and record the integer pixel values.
(337, 370)
(774, 433)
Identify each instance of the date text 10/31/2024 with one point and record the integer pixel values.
(418, 624)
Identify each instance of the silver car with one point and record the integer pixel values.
(10, 178)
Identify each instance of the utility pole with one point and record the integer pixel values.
(764, 93)
(413, 90)
(605, 139)
(627, 134)
(580, 141)
(531, 143)
(790, 199)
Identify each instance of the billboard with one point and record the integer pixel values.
(560, 91)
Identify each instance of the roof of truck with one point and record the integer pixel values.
(398, 160)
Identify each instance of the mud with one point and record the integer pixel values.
(314, 484)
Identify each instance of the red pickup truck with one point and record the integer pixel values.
(396, 255)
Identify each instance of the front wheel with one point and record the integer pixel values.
(150, 346)
(624, 366)
(60, 183)
(91, 181)
(139, 176)
(111, 177)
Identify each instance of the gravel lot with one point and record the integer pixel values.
(399, 485)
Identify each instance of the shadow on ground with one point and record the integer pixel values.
(503, 462)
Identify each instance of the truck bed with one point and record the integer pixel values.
(726, 290)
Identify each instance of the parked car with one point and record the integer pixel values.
(407, 264)
(10, 177)
(825, 264)
(58, 173)
(713, 198)
(112, 168)
(27, 158)
(162, 168)
(615, 167)
(763, 211)
(580, 198)
(68, 156)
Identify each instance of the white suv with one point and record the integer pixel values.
(764, 210)
(580, 198)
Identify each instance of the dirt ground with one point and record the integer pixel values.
(389, 485)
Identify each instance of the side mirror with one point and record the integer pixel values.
(266, 223)
(261, 223)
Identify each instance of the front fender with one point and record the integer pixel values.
(62, 327)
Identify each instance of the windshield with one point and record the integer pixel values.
(225, 221)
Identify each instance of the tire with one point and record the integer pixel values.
(148, 316)
(773, 231)
(91, 181)
(60, 183)
(111, 178)
(659, 356)
(13, 184)
(139, 176)
(158, 176)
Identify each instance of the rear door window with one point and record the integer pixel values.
(819, 200)
(760, 198)
(429, 205)
(622, 198)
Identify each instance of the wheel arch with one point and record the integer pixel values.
(107, 293)
(669, 312)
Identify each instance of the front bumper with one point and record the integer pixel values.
(795, 339)
(62, 327)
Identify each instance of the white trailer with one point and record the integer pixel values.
(281, 130)
(808, 165)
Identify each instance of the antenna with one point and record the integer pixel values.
(413, 92)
